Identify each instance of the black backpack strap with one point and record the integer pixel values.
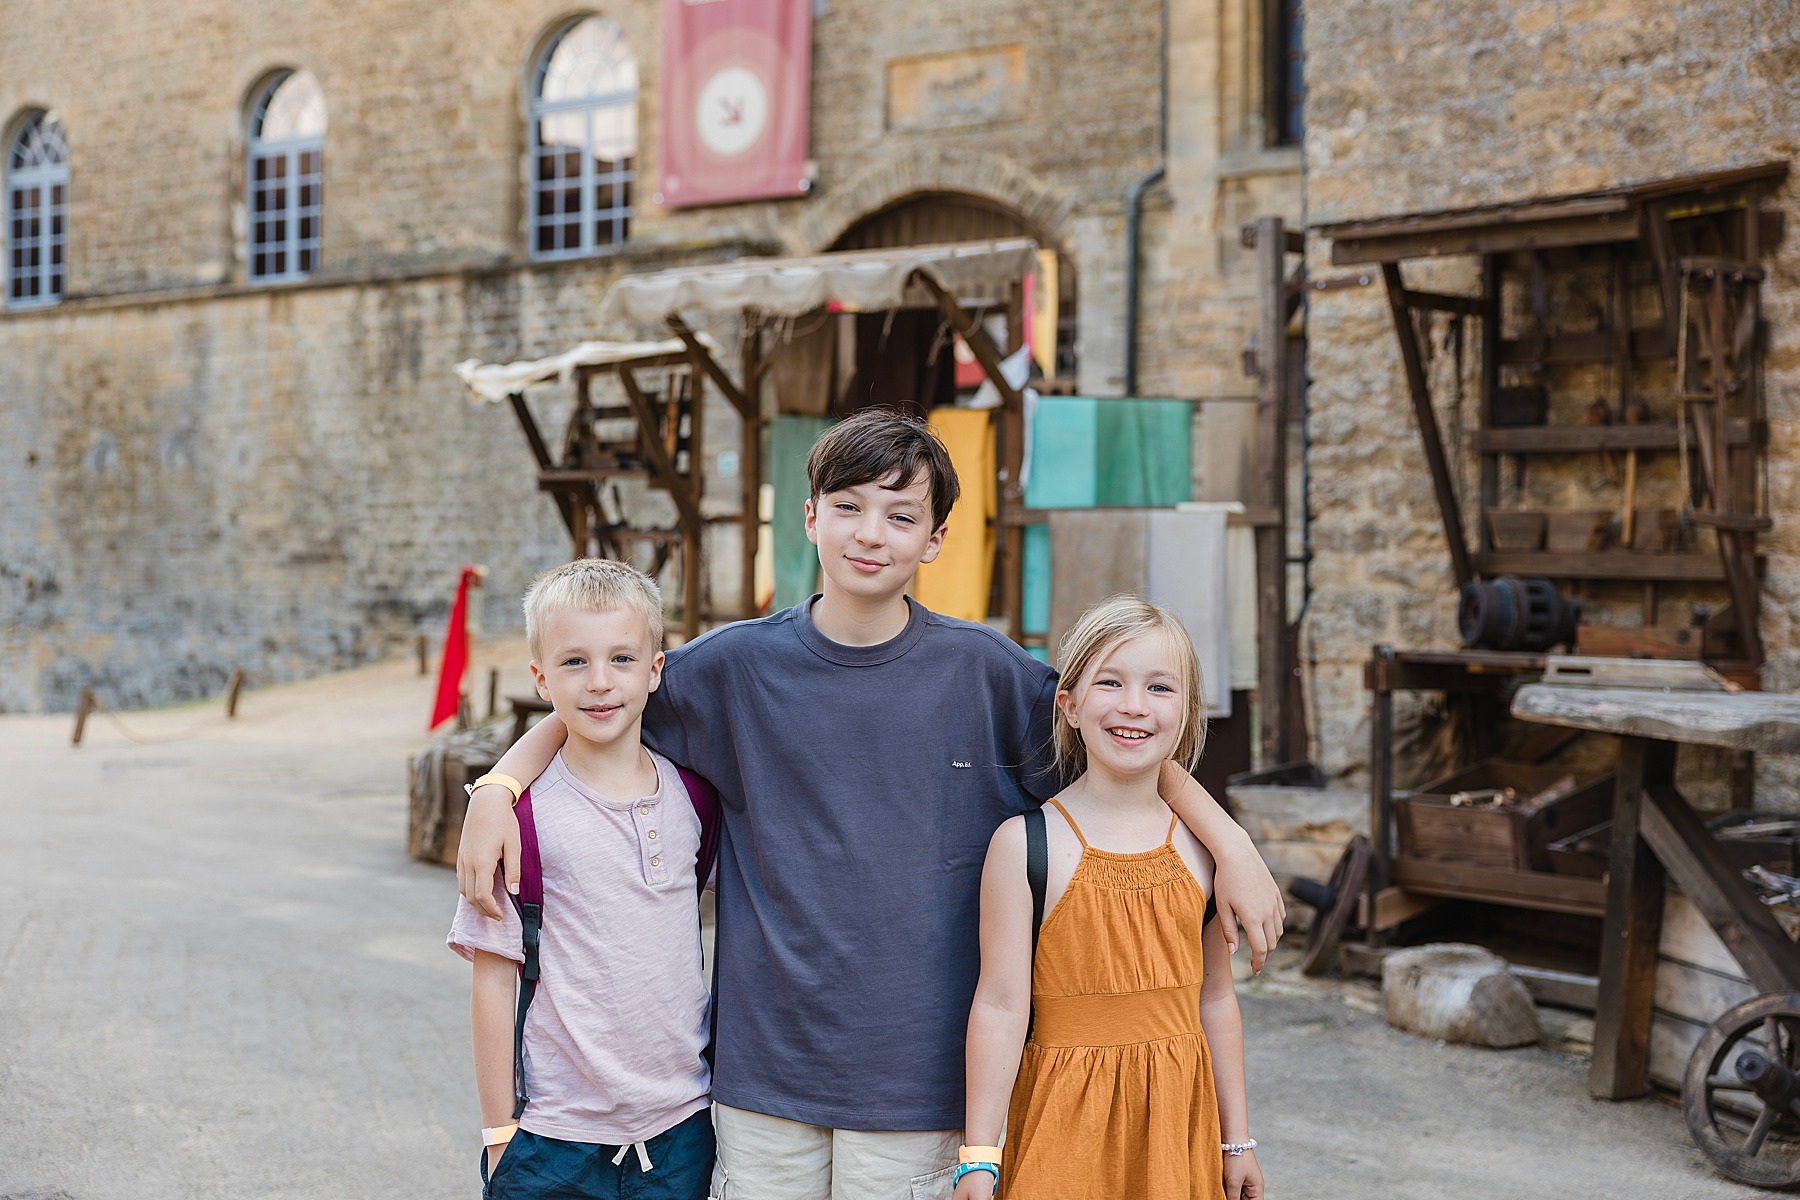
(530, 903)
(1037, 870)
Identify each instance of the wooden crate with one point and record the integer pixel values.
(1514, 836)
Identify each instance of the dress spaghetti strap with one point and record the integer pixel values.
(1077, 828)
(1173, 822)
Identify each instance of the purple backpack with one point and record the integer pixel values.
(530, 901)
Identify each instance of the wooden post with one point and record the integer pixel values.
(493, 691)
(1634, 904)
(424, 657)
(1491, 282)
(1381, 776)
(1426, 418)
(1270, 488)
(686, 503)
(83, 707)
(750, 460)
(232, 689)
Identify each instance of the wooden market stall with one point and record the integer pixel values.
(1620, 327)
(663, 385)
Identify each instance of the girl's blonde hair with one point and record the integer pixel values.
(1103, 629)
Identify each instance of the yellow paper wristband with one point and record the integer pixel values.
(499, 1135)
(506, 781)
(978, 1154)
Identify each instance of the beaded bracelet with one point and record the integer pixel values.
(1231, 1149)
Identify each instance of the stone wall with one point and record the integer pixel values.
(1415, 107)
(210, 474)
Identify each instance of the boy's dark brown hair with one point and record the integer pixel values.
(879, 445)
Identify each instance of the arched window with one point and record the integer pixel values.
(287, 177)
(37, 201)
(583, 140)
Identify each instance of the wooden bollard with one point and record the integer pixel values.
(232, 689)
(424, 657)
(82, 709)
(493, 691)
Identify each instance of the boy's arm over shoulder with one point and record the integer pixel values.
(1245, 890)
(696, 676)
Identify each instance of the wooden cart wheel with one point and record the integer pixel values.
(1741, 1095)
(1337, 904)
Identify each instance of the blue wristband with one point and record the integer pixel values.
(965, 1168)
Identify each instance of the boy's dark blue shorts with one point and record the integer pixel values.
(535, 1167)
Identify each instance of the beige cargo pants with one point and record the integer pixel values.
(769, 1158)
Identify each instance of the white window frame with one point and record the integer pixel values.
(589, 217)
(48, 212)
(295, 165)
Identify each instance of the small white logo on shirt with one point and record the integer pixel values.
(957, 762)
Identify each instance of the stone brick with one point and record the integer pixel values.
(1563, 97)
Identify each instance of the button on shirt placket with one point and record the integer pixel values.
(650, 849)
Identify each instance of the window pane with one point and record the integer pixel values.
(294, 109)
(592, 59)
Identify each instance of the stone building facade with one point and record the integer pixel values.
(207, 471)
(1421, 107)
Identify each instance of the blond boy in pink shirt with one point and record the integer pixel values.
(614, 1040)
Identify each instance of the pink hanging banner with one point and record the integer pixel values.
(736, 94)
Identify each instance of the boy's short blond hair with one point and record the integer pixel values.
(592, 585)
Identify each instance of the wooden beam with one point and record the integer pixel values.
(978, 341)
(1521, 889)
(755, 365)
(1605, 564)
(1269, 489)
(1711, 881)
(1426, 419)
(711, 366)
(1468, 306)
(1592, 439)
(1634, 905)
(1565, 989)
(664, 470)
(1574, 231)
(534, 438)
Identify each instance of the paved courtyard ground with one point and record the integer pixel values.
(221, 977)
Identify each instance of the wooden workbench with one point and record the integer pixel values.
(1655, 830)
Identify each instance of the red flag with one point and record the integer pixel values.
(456, 650)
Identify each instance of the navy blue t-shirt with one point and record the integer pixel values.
(860, 786)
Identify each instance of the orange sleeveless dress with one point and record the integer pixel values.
(1115, 1094)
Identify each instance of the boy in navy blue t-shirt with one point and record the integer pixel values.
(865, 749)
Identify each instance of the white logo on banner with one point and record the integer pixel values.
(733, 109)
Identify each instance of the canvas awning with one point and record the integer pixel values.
(859, 280)
(494, 382)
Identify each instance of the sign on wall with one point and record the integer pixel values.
(736, 95)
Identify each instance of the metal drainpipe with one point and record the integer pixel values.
(1134, 209)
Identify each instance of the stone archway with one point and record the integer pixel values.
(926, 217)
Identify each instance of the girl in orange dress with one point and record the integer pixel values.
(1112, 1055)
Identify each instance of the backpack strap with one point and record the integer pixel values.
(705, 799)
(530, 903)
(1037, 870)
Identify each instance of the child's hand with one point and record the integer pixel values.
(490, 835)
(1243, 1177)
(976, 1185)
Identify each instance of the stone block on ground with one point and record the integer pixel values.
(1458, 993)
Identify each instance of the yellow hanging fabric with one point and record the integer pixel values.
(958, 582)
